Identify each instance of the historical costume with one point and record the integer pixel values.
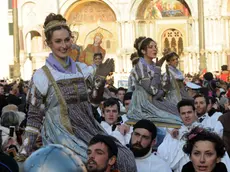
(68, 116)
(152, 162)
(147, 100)
(176, 91)
(68, 120)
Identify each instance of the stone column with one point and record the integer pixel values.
(202, 59)
(17, 73)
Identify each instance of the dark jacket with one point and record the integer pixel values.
(225, 121)
(220, 167)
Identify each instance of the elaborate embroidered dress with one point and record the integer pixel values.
(176, 91)
(68, 119)
(147, 100)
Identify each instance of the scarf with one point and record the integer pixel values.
(176, 73)
(151, 66)
(220, 167)
(53, 62)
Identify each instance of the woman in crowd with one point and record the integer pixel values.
(205, 150)
(176, 91)
(60, 86)
(148, 97)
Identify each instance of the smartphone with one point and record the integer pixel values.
(11, 131)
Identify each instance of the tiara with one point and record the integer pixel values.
(54, 23)
(135, 58)
(140, 43)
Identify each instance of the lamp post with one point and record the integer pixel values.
(17, 73)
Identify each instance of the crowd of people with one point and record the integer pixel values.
(161, 122)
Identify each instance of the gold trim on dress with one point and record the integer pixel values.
(63, 107)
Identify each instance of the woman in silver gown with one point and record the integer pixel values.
(176, 91)
(61, 86)
(148, 97)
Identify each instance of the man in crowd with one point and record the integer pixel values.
(102, 154)
(142, 141)
(113, 123)
(120, 95)
(171, 148)
(201, 106)
(126, 102)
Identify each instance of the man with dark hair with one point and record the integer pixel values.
(141, 143)
(127, 100)
(171, 148)
(120, 95)
(113, 123)
(201, 105)
(97, 59)
(102, 154)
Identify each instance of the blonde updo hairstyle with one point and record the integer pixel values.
(54, 18)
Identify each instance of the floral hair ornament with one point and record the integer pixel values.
(53, 24)
(194, 134)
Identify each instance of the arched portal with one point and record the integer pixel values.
(173, 39)
(88, 17)
(33, 42)
(156, 9)
(33, 47)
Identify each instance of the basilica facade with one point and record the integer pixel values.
(171, 23)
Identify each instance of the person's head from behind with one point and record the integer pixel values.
(120, 93)
(127, 100)
(187, 112)
(8, 164)
(201, 104)
(111, 110)
(58, 35)
(172, 59)
(97, 59)
(205, 149)
(146, 47)
(9, 118)
(102, 153)
(143, 138)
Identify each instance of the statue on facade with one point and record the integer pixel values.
(87, 54)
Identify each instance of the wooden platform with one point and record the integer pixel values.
(158, 124)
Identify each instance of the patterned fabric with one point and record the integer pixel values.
(83, 124)
(147, 100)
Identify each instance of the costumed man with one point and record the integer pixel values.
(201, 106)
(102, 154)
(142, 141)
(171, 149)
(87, 54)
(74, 51)
(113, 123)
